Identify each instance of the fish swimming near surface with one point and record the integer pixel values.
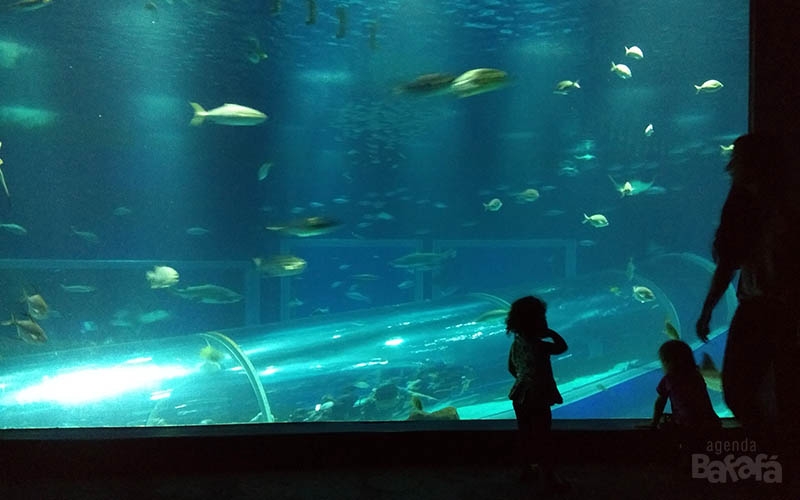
(28, 330)
(208, 294)
(227, 114)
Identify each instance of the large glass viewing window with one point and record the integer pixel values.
(244, 211)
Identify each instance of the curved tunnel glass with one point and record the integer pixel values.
(431, 359)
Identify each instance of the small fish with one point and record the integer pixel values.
(365, 277)
(227, 114)
(153, 316)
(648, 130)
(28, 5)
(256, 54)
(162, 277)
(3, 181)
(670, 330)
(27, 330)
(211, 354)
(78, 288)
(280, 266)
(493, 205)
(630, 269)
(596, 220)
(263, 170)
(585, 157)
(621, 70)
(708, 86)
(37, 307)
(122, 211)
(87, 236)
(14, 229)
(643, 294)
(725, 150)
(423, 261)
(634, 52)
(405, 285)
(564, 87)
(197, 231)
(527, 196)
(358, 297)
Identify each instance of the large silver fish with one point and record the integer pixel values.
(227, 114)
(28, 330)
(310, 226)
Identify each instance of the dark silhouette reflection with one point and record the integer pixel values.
(758, 236)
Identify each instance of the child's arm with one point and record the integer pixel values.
(512, 369)
(658, 410)
(559, 345)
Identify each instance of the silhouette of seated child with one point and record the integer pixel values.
(684, 386)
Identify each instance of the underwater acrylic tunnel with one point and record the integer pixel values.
(369, 365)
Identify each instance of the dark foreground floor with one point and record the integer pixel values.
(471, 461)
(595, 481)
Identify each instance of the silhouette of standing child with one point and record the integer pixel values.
(683, 385)
(534, 390)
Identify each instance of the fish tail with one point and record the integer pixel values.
(199, 114)
(613, 65)
(585, 219)
(9, 322)
(698, 89)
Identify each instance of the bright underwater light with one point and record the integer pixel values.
(84, 386)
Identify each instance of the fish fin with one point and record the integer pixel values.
(199, 114)
(707, 364)
(698, 89)
(585, 219)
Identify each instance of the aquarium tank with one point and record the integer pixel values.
(239, 211)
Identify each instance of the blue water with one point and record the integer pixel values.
(114, 81)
